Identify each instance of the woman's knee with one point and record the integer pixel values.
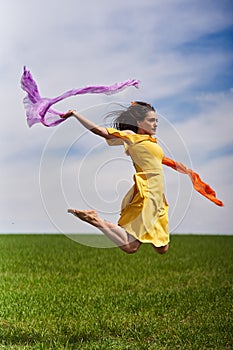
(162, 250)
(131, 248)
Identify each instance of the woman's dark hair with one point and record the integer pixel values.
(127, 120)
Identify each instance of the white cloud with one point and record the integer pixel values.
(211, 129)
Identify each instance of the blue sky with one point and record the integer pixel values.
(180, 50)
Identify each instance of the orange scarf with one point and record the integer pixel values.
(198, 184)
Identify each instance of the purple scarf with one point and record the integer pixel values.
(38, 108)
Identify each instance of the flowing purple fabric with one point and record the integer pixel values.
(38, 108)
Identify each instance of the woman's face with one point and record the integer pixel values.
(149, 124)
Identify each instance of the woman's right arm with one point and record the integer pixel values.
(96, 129)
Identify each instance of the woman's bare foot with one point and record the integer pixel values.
(89, 216)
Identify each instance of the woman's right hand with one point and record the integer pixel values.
(67, 114)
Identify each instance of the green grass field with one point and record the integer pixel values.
(58, 294)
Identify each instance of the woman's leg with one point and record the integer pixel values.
(117, 234)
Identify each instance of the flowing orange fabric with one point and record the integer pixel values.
(199, 185)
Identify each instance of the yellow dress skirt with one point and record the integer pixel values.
(144, 211)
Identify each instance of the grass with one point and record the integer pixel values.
(58, 294)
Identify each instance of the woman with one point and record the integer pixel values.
(144, 213)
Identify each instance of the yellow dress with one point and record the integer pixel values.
(144, 211)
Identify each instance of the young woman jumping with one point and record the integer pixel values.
(144, 212)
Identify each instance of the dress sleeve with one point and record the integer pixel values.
(125, 138)
(120, 137)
